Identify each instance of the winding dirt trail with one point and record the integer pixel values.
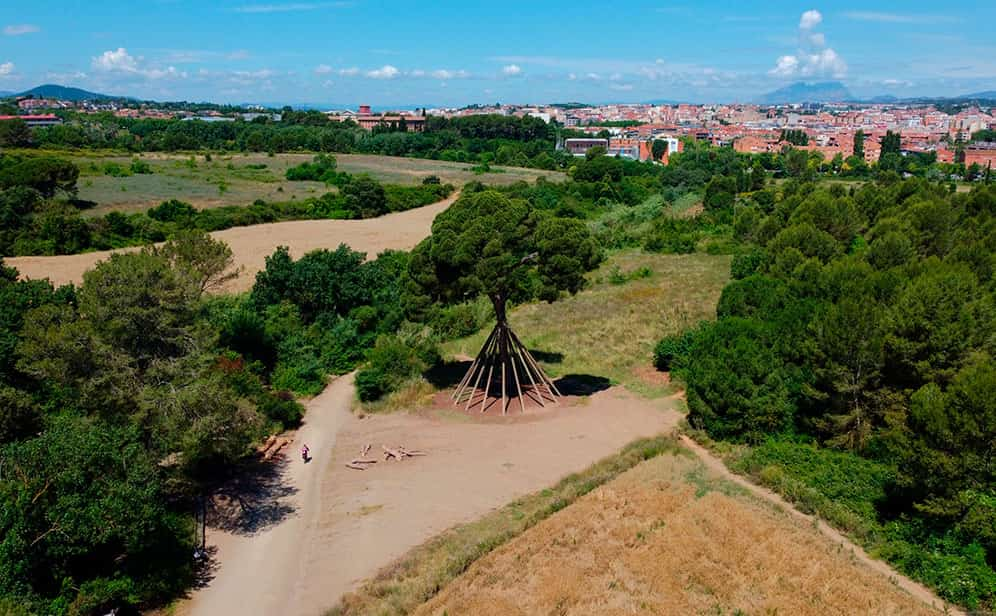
(251, 245)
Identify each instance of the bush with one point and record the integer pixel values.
(283, 408)
(393, 360)
(746, 263)
(671, 352)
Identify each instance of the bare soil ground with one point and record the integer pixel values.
(340, 526)
(671, 537)
(251, 245)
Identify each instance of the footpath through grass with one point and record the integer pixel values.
(419, 575)
(845, 490)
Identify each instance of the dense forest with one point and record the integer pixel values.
(854, 351)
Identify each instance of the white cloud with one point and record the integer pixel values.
(20, 29)
(349, 72)
(897, 18)
(6, 69)
(385, 72)
(511, 70)
(447, 74)
(291, 7)
(120, 62)
(814, 58)
(785, 66)
(323, 69)
(621, 87)
(897, 83)
(810, 19)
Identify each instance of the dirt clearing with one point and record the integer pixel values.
(251, 245)
(347, 524)
(671, 537)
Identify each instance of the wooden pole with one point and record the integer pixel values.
(470, 372)
(518, 385)
(480, 373)
(550, 385)
(529, 373)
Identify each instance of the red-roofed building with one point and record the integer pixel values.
(34, 120)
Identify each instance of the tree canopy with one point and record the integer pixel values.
(489, 244)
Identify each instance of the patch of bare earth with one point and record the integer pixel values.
(251, 245)
(346, 525)
(671, 537)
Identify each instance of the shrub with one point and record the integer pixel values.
(393, 360)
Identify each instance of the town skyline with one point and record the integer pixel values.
(345, 53)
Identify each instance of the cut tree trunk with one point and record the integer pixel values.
(500, 367)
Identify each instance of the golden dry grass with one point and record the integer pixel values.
(403, 586)
(609, 330)
(667, 537)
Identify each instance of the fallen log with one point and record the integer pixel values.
(362, 461)
(276, 449)
(267, 444)
(358, 467)
(365, 450)
(389, 453)
(411, 452)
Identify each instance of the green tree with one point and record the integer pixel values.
(201, 258)
(658, 149)
(15, 134)
(720, 193)
(44, 174)
(859, 144)
(890, 144)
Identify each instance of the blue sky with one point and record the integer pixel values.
(453, 53)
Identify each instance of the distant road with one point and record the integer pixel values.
(251, 245)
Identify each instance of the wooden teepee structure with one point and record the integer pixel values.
(504, 366)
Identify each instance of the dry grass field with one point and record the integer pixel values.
(669, 537)
(609, 330)
(251, 245)
(240, 179)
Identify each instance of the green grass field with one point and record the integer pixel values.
(240, 179)
(609, 330)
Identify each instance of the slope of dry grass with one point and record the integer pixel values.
(668, 537)
(415, 578)
(609, 330)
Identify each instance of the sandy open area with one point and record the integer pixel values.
(251, 245)
(670, 536)
(326, 528)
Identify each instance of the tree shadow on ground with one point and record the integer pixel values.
(252, 500)
(581, 384)
(447, 373)
(547, 357)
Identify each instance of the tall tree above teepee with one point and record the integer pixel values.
(488, 244)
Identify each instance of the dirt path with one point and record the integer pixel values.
(257, 570)
(915, 589)
(348, 524)
(251, 245)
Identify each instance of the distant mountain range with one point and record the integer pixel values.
(64, 93)
(802, 92)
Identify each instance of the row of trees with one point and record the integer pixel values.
(527, 142)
